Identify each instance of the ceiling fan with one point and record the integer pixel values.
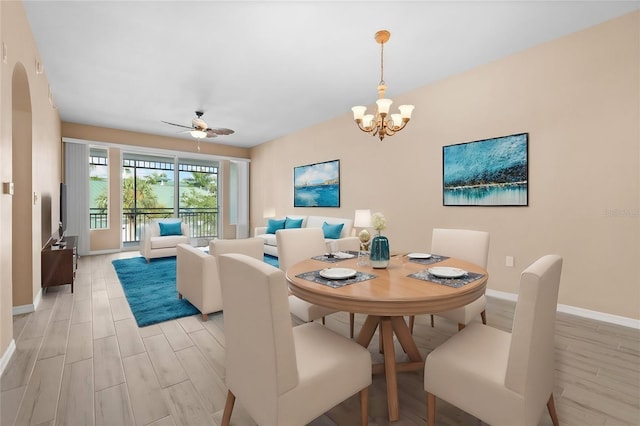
(199, 129)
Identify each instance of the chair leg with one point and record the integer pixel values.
(204, 317)
(352, 319)
(551, 406)
(323, 321)
(228, 408)
(412, 320)
(431, 321)
(179, 295)
(460, 326)
(431, 409)
(483, 314)
(364, 406)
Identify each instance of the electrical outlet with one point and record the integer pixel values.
(509, 261)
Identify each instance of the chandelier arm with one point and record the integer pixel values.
(388, 131)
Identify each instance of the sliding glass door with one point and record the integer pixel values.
(151, 189)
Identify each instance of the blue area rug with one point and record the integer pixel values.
(273, 261)
(150, 289)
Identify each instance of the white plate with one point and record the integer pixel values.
(446, 272)
(418, 255)
(338, 273)
(343, 255)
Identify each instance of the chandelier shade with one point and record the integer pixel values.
(382, 123)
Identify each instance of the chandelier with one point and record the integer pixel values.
(382, 123)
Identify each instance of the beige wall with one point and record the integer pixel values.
(46, 160)
(577, 97)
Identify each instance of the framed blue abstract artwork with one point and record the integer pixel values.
(489, 172)
(317, 185)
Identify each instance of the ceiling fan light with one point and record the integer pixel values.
(198, 134)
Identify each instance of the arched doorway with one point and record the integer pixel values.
(22, 200)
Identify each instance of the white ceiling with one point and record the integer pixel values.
(268, 68)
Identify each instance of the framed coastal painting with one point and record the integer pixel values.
(489, 172)
(317, 185)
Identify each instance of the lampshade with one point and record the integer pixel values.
(198, 134)
(362, 218)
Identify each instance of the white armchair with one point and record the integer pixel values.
(197, 274)
(283, 375)
(197, 279)
(153, 245)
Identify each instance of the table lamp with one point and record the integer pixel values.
(363, 220)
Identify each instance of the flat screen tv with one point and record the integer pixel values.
(63, 210)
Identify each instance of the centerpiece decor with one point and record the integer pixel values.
(379, 256)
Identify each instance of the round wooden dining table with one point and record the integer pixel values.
(386, 299)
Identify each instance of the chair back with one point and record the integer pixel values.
(470, 246)
(250, 246)
(530, 367)
(260, 353)
(295, 245)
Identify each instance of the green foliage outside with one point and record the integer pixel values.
(198, 191)
(201, 191)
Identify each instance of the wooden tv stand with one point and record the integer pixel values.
(59, 261)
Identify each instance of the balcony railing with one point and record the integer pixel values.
(202, 222)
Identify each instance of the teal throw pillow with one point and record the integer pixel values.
(292, 223)
(170, 228)
(273, 225)
(332, 231)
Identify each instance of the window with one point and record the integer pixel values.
(198, 197)
(98, 188)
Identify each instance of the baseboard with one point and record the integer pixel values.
(6, 356)
(572, 310)
(26, 309)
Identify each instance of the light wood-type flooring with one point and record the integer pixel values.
(82, 360)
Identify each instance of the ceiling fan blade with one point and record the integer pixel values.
(221, 131)
(179, 125)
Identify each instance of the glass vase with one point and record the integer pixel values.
(379, 254)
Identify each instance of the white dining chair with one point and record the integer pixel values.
(470, 246)
(295, 245)
(499, 377)
(282, 375)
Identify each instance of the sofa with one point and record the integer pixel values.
(197, 275)
(344, 241)
(157, 242)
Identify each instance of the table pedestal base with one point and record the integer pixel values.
(388, 327)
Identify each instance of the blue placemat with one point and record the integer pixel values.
(435, 258)
(314, 276)
(333, 259)
(451, 282)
